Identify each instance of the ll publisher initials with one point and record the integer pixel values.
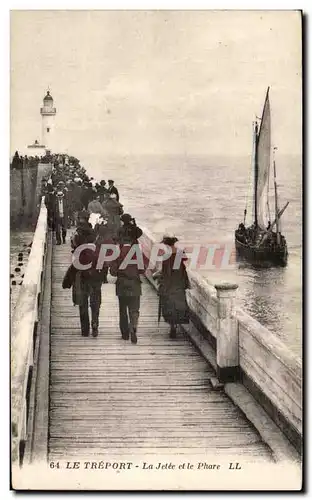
(234, 466)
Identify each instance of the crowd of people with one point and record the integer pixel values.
(94, 211)
(70, 190)
(19, 161)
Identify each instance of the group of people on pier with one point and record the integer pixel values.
(70, 190)
(94, 211)
(20, 162)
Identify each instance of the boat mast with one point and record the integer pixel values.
(278, 234)
(251, 172)
(255, 138)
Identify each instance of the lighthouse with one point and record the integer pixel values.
(48, 113)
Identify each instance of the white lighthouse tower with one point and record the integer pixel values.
(48, 113)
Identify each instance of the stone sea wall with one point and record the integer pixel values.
(25, 194)
(22, 192)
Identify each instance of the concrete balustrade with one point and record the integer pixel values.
(242, 350)
(227, 333)
(273, 374)
(24, 324)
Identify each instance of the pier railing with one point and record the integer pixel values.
(273, 374)
(242, 350)
(23, 337)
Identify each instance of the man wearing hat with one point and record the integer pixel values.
(103, 191)
(113, 210)
(128, 290)
(88, 283)
(60, 214)
(112, 189)
(86, 193)
(129, 230)
(84, 232)
(49, 200)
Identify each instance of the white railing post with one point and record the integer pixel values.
(227, 335)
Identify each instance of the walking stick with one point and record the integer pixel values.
(159, 309)
(159, 302)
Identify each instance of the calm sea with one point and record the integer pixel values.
(202, 199)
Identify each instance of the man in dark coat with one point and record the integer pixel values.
(129, 229)
(103, 191)
(128, 291)
(76, 199)
(104, 237)
(60, 215)
(88, 283)
(84, 232)
(17, 162)
(113, 210)
(49, 200)
(112, 189)
(86, 194)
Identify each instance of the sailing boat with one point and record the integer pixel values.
(263, 242)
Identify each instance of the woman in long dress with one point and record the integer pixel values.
(173, 283)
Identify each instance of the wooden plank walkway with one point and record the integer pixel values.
(110, 397)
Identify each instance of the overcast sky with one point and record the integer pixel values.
(156, 82)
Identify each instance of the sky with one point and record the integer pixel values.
(156, 82)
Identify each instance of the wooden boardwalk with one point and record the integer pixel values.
(110, 397)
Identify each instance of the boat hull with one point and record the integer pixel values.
(261, 256)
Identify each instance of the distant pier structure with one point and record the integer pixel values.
(36, 149)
